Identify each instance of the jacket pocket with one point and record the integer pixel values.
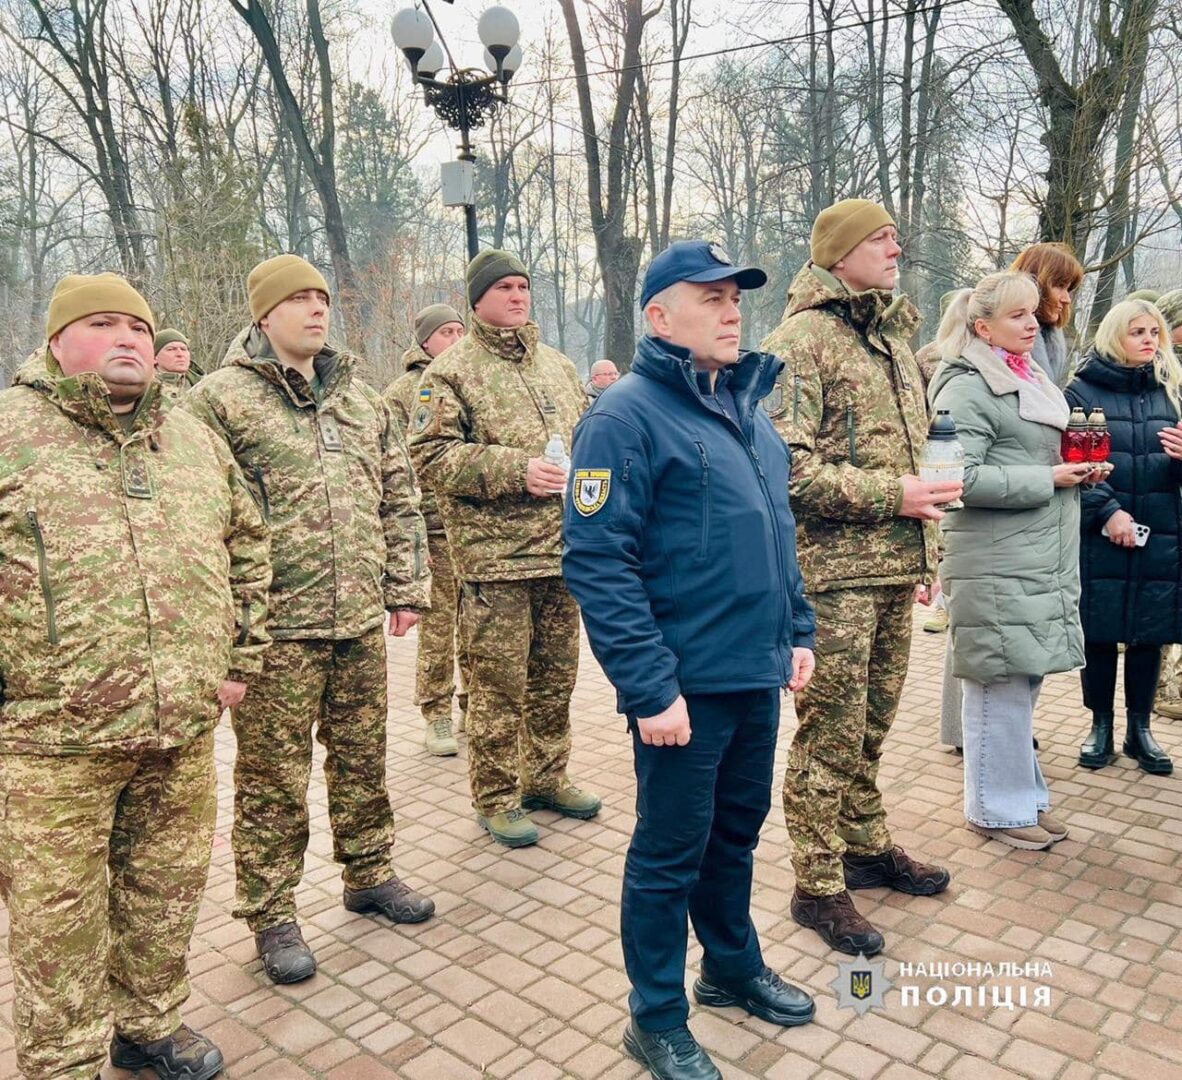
(43, 574)
(851, 430)
(704, 485)
(261, 495)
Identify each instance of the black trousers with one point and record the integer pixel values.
(699, 809)
(1142, 664)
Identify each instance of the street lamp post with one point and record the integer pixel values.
(468, 97)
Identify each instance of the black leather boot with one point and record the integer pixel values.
(1096, 751)
(1140, 744)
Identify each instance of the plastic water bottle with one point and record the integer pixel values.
(943, 456)
(555, 454)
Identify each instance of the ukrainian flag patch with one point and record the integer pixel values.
(425, 394)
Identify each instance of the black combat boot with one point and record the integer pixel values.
(1096, 751)
(183, 1055)
(1140, 744)
(286, 958)
(394, 899)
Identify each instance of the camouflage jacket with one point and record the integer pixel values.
(333, 479)
(850, 404)
(174, 385)
(135, 568)
(486, 406)
(402, 395)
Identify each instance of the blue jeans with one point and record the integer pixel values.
(1003, 784)
(699, 809)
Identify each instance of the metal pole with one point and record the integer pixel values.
(473, 238)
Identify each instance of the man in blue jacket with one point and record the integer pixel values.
(680, 548)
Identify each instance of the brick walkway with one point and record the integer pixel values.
(520, 976)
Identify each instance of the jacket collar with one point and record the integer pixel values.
(872, 313)
(1101, 370)
(750, 380)
(1041, 402)
(516, 343)
(251, 350)
(85, 398)
(415, 357)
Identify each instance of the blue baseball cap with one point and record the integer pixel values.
(696, 260)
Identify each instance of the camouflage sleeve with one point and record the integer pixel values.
(448, 461)
(248, 541)
(832, 489)
(395, 398)
(197, 402)
(406, 583)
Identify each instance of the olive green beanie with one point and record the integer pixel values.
(488, 268)
(842, 227)
(432, 318)
(1144, 294)
(168, 336)
(273, 281)
(79, 295)
(1170, 305)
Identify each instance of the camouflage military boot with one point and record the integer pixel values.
(183, 1055)
(568, 800)
(394, 899)
(440, 740)
(512, 828)
(286, 958)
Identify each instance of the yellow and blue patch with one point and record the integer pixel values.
(425, 394)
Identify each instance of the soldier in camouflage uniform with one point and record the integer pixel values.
(435, 328)
(330, 471)
(487, 409)
(175, 368)
(850, 405)
(132, 609)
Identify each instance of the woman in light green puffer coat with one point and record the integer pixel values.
(1011, 565)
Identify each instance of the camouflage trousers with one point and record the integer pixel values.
(831, 799)
(103, 862)
(1169, 683)
(338, 688)
(523, 645)
(435, 676)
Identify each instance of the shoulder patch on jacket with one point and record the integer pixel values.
(422, 418)
(425, 394)
(591, 490)
(773, 404)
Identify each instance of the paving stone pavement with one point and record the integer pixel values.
(520, 974)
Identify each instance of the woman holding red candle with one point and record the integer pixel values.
(1131, 585)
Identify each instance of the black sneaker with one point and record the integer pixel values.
(766, 995)
(286, 958)
(672, 1054)
(184, 1055)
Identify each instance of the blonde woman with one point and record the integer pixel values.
(1011, 564)
(1132, 592)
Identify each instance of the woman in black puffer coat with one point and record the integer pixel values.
(1131, 594)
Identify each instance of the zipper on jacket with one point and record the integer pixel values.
(852, 433)
(264, 499)
(796, 389)
(244, 624)
(43, 573)
(627, 470)
(704, 539)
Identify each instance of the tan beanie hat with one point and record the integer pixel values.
(168, 336)
(842, 227)
(432, 318)
(274, 280)
(79, 295)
